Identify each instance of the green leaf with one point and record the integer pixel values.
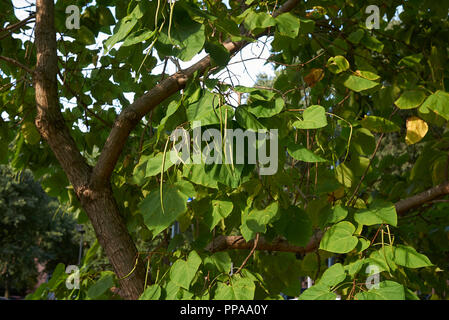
(368, 75)
(220, 210)
(411, 61)
(256, 220)
(295, 225)
(182, 272)
(219, 54)
(266, 109)
(105, 17)
(186, 39)
(333, 276)
(30, 133)
(171, 109)
(318, 292)
(359, 84)
(339, 238)
(153, 292)
(411, 99)
(388, 290)
(172, 290)
(362, 245)
(174, 201)
(288, 25)
(363, 142)
(122, 29)
(138, 36)
(378, 212)
(438, 103)
(247, 120)
(372, 43)
(258, 20)
(154, 164)
(408, 257)
(344, 175)
(206, 110)
(211, 175)
(239, 289)
(314, 117)
(85, 36)
(301, 153)
(356, 36)
(219, 260)
(383, 258)
(337, 214)
(379, 124)
(307, 26)
(338, 64)
(197, 174)
(354, 267)
(101, 286)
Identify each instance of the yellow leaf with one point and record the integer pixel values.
(336, 195)
(416, 130)
(314, 76)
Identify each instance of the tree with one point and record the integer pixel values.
(32, 231)
(341, 89)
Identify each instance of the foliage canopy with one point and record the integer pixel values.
(362, 120)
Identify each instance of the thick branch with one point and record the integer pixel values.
(222, 243)
(404, 206)
(131, 116)
(49, 119)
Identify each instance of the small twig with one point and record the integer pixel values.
(16, 25)
(250, 254)
(353, 197)
(375, 236)
(165, 67)
(354, 194)
(139, 153)
(81, 102)
(319, 264)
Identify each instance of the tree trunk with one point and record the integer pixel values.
(98, 201)
(113, 236)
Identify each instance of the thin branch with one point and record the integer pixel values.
(17, 25)
(17, 64)
(405, 205)
(250, 254)
(356, 190)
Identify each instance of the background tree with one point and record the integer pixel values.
(341, 90)
(34, 230)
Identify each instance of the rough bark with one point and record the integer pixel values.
(405, 205)
(238, 243)
(99, 203)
